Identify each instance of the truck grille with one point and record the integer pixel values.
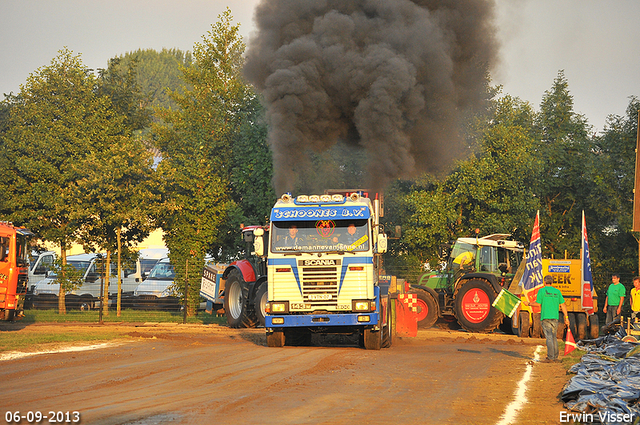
(320, 286)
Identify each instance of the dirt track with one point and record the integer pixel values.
(211, 374)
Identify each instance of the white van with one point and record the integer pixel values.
(39, 264)
(158, 290)
(148, 257)
(45, 292)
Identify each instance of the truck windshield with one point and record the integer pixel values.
(320, 236)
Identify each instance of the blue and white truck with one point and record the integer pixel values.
(323, 260)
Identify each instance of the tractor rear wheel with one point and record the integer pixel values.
(235, 304)
(472, 306)
(427, 308)
(260, 303)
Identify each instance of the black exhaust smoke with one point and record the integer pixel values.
(395, 77)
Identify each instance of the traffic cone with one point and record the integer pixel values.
(569, 343)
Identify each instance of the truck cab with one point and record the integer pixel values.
(14, 270)
(322, 270)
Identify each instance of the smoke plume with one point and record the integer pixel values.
(395, 77)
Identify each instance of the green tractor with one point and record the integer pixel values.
(474, 270)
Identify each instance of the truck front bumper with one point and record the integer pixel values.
(320, 320)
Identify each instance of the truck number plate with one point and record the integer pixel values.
(319, 297)
(299, 306)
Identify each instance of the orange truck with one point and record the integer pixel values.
(14, 270)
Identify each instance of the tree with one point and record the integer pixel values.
(54, 123)
(119, 197)
(117, 191)
(158, 73)
(564, 187)
(196, 146)
(615, 247)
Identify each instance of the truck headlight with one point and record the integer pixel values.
(363, 305)
(276, 307)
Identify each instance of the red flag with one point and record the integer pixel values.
(587, 279)
(532, 278)
(569, 343)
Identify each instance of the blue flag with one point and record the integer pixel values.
(587, 279)
(532, 278)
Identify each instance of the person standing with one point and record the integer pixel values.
(614, 300)
(550, 300)
(635, 299)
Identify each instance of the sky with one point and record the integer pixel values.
(595, 42)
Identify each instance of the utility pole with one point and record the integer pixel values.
(186, 292)
(636, 188)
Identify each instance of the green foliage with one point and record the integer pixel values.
(196, 142)
(157, 73)
(614, 247)
(75, 172)
(54, 123)
(252, 170)
(564, 187)
(67, 275)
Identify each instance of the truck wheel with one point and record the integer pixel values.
(537, 326)
(387, 337)
(594, 326)
(524, 324)
(86, 303)
(372, 339)
(561, 327)
(581, 326)
(235, 305)
(572, 325)
(472, 306)
(427, 308)
(275, 339)
(260, 303)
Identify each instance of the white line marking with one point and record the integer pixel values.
(520, 398)
(13, 355)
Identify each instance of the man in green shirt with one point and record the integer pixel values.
(615, 299)
(550, 300)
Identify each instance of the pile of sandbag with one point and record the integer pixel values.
(606, 385)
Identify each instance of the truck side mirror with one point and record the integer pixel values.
(258, 242)
(381, 246)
